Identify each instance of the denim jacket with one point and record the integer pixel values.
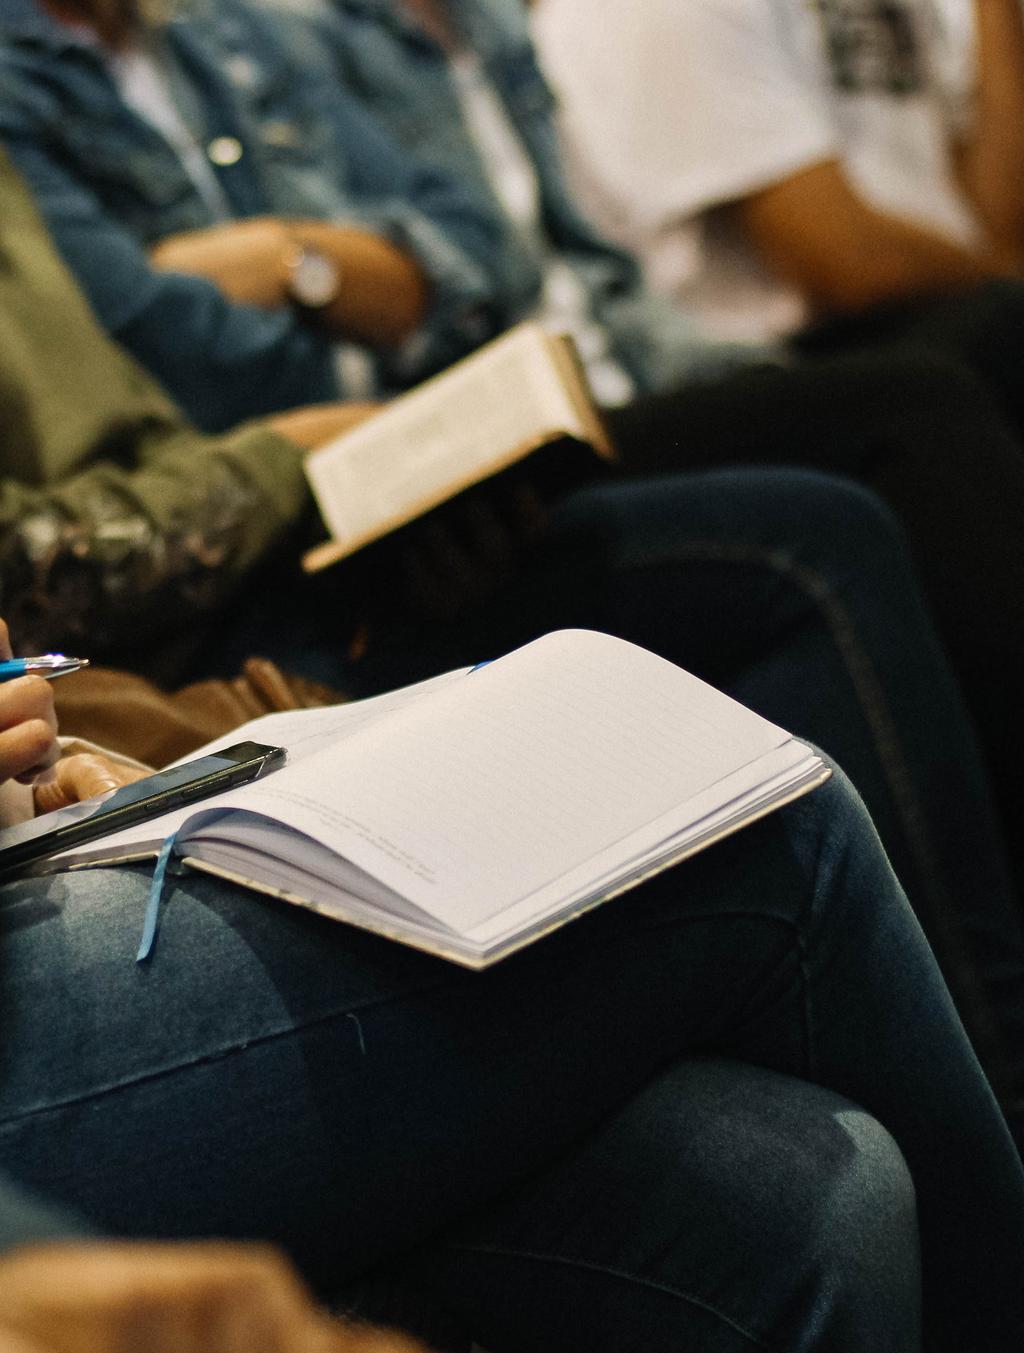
(109, 185)
(403, 76)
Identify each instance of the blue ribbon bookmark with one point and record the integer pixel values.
(156, 894)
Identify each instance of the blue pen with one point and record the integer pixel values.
(48, 665)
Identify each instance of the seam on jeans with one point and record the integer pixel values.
(232, 1050)
(867, 686)
(807, 1004)
(884, 730)
(217, 1055)
(607, 1271)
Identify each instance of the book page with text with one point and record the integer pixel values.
(474, 419)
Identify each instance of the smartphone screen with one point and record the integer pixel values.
(155, 794)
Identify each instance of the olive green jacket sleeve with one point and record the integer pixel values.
(115, 513)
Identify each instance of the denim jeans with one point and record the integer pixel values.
(793, 591)
(275, 1074)
(940, 444)
(725, 1208)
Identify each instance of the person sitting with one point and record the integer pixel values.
(164, 550)
(173, 280)
(459, 85)
(634, 1130)
(273, 201)
(790, 165)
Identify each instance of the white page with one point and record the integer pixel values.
(473, 792)
(444, 432)
(303, 732)
(470, 800)
(692, 820)
(789, 770)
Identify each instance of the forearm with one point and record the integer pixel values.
(382, 295)
(991, 162)
(844, 254)
(898, 259)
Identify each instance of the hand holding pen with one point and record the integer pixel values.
(28, 725)
(46, 665)
(29, 750)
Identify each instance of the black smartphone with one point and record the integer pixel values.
(51, 833)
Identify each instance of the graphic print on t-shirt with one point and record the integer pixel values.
(872, 46)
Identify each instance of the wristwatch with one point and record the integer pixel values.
(314, 278)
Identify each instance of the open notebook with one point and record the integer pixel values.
(471, 813)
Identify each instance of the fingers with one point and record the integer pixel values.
(28, 728)
(81, 777)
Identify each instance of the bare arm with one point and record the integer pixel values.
(383, 294)
(843, 254)
(990, 164)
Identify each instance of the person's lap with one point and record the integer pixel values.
(273, 1074)
(793, 591)
(790, 589)
(980, 327)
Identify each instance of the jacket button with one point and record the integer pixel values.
(225, 150)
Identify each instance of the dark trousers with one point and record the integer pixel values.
(573, 1180)
(931, 440)
(981, 328)
(792, 591)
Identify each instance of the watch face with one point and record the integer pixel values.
(314, 279)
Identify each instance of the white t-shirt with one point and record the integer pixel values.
(671, 108)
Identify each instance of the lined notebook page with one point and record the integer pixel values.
(304, 732)
(516, 773)
(448, 432)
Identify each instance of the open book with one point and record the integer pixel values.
(469, 814)
(485, 413)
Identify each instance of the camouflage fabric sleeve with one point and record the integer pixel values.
(113, 554)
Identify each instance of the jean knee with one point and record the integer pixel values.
(840, 518)
(870, 1220)
(853, 1238)
(831, 827)
(840, 1215)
